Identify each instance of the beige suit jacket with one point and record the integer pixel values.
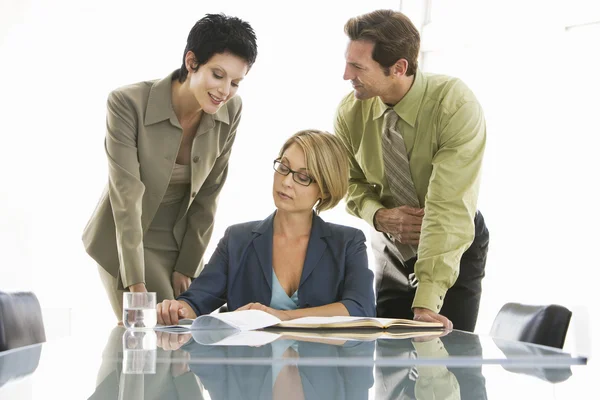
(142, 141)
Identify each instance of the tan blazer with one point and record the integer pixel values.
(143, 137)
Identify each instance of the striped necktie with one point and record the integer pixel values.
(397, 172)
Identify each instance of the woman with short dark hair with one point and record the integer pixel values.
(168, 144)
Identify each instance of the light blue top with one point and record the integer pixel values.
(279, 298)
(278, 348)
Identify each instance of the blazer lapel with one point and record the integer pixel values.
(263, 246)
(162, 137)
(316, 247)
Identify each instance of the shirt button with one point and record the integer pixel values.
(193, 194)
(196, 158)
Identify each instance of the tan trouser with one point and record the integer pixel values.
(159, 268)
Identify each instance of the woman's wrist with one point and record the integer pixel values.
(138, 287)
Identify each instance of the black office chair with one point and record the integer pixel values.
(21, 322)
(545, 325)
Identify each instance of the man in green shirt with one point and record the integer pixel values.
(416, 143)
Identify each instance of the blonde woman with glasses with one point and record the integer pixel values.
(292, 264)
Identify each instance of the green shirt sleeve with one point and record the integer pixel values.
(435, 381)
(362, 201)
(450, 204)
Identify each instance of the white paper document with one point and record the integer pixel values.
(247, 320)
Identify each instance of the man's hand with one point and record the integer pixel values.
(425, 315)
(437, 335)
(138, 287)
(180, 282)
(169, 312)
(282, 315)
(403, 223)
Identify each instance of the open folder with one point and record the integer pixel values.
(258, 338)
(249, 320)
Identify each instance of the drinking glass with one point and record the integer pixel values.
(139, 310)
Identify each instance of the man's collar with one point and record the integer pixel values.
(408, 107)
(160, 107)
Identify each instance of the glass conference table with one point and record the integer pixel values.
(118, 364)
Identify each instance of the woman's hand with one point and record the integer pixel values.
(169, 312)
(282, 315)
(171, 341)
(180, 282)
(138, 287)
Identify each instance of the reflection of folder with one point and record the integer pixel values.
(230, 337)
(357, 334)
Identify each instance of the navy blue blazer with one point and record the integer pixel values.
(240, 270)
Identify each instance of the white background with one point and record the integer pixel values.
(533, 65)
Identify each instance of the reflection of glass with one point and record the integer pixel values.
(139, 352)
(139, 310)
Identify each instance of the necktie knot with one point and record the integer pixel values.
(390, 120)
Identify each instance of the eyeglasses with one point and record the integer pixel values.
(299, 177)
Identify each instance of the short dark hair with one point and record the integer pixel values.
(216, 34)
(393, 34)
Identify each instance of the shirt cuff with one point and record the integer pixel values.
(370, 207)
(430, 296)
(430, 349)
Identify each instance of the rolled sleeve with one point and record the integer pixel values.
(435, 381)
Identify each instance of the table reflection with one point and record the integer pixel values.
(285, 379)
(19, 363)
(126, 376)
(430, 381)
(288, 365)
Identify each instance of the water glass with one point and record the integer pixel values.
(139, 310)
(139, 352)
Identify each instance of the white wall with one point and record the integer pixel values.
(534, 67)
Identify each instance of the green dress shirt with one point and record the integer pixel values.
(444, 131)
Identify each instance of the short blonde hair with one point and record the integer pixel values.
(326, 162)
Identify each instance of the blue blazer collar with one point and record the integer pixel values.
(263, 244)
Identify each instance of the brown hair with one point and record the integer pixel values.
(393, 34)
(327, 163)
